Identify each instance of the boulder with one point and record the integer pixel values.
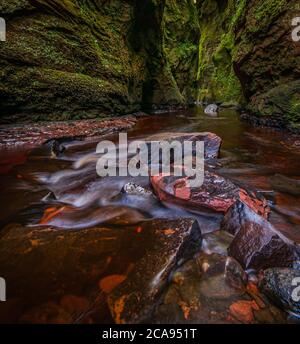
(176, 241)
(212, 142)
(56, 147)
(282, 286)
(257, 244)
(213, 289)
(217, 193)
(211, 110)
(72, 272)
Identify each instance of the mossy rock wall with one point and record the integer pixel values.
(68, 59)
(90, 58)
(267, 60)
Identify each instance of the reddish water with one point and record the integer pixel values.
(255, 157)
(32, 182)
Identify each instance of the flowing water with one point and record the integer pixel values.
(34, 184)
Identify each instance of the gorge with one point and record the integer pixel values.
(80, 248)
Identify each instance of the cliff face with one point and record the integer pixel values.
(85, 58)
(247, 55)
(267, 60)
(90, 58)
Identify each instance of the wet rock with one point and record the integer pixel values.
(56, 147)
(296, 265)
(137, 190)
(33, 135)
(211, 110)
(212, 142)
(282, 285)
(257, 244)
(217, 193)
(212, 289)
(45, 266)
(236, 217)
(176, 242)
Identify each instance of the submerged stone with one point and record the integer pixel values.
(212, 289)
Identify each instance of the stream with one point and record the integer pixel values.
(68, 188)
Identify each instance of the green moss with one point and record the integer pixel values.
(216, 77)
(268, 9)
(282, 102)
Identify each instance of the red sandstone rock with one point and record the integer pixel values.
(216, 193)
(37, 134)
